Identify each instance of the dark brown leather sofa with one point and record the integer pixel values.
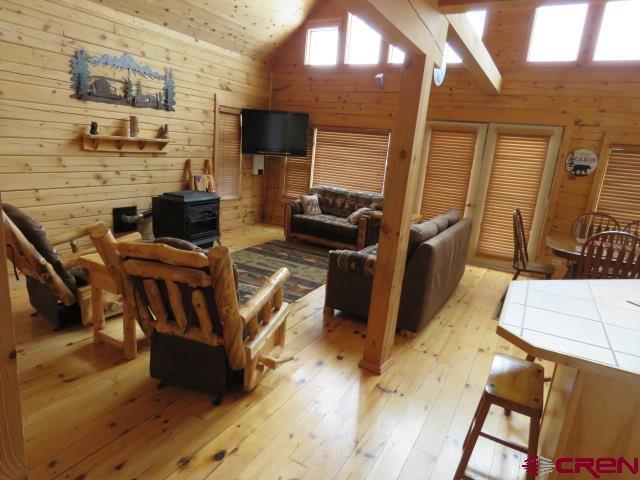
(436, 259)
(331, 228)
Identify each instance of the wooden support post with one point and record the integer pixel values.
(12, 460)
(404, 165)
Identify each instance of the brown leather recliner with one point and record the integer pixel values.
(436, 259)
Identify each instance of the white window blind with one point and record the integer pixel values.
(350, 159)
(516, 173)
(620, 191)
(297, 175)
(230, 158)
(449, 163)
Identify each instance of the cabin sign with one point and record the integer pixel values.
(581, 162)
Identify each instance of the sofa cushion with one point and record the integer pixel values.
(33, 231)
(339, 229)
(307, 224)
(421, 232)
(362, 262)
(331, 199)
(357, 200)
(441, 221)
(354, 217)
(180, 244)
(453, 216)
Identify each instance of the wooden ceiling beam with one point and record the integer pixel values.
(413, 25)
(475, 56)
(461, 6)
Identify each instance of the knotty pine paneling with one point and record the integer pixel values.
(588, 100)
(43, 168)
(344, 96)
(249, 27)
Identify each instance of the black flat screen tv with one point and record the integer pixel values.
(274, 133)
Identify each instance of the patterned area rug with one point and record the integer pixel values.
(308, 265)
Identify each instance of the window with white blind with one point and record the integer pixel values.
(228, 164)
(448, 174)
(620, 191)
(355, 160)
(515, 179)
(297, 175)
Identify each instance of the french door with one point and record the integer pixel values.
(486, 170)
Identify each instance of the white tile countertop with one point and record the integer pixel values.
(581, 323)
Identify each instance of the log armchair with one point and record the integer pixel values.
(187, 304)
(57, 289)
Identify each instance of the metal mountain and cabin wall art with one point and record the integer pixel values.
(120, 91)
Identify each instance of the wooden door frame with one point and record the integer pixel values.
(610, 139)
(12, 459)
(556, 136)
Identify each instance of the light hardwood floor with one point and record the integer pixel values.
(90, 415)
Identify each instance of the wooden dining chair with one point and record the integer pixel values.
(610, 255)
(521, 261)
(633, 227)
(590, 223)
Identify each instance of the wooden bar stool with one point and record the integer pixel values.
(515, 385)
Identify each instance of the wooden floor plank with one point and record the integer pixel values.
(90, 415)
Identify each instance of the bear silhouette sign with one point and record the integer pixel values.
(581, 162)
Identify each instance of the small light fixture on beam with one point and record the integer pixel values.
(380, 80)
(439, 74)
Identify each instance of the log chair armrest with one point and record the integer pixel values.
(72, 260)
(271, 287)
(130, 237)
(72, 235)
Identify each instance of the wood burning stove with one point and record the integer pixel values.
(189, 215)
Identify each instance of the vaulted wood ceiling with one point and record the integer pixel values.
(251, 27)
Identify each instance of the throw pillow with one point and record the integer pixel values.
(453, 216)
(310, 204)
(354, 218)
(419, 233)
(441, 221)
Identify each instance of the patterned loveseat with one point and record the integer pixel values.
(331, 227)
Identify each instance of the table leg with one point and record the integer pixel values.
(97, 311)
(129, 338)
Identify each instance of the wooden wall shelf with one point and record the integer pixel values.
(115, 143)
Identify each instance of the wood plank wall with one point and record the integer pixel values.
(43, 168)
(344, 96)
(589, 101)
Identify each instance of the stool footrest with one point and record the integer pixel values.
(504, 442)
